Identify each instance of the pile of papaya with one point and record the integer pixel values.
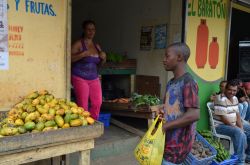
(41, 111)
(222, 153)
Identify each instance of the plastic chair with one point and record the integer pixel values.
(210, 106)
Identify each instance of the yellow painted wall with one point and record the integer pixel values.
(37, 58)
(216, 16)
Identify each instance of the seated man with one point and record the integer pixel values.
(222, 89)
(228, 122)
(242, 98)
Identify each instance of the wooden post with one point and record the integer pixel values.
(84, 158)
(68, 49)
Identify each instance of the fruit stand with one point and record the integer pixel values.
(37, 146)
(41, 126)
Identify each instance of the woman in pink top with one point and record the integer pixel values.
(86, 56)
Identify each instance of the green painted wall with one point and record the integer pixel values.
(205, 90)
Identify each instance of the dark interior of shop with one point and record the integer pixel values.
(239, 62)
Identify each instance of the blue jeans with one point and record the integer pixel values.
(243, 110)
(240, 138)
(164, 162)
(247, 118)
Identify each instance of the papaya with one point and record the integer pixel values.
(72, 104)
(24, 115)
(48, 128)
(48, 117)
(19, 122)
(37, 114)
(59, 120)
(35, 102)
(30, 117)
(40, 119)
(22, 130)
(40, 126)
(42, 101)
(68, 111)
(50, 123)
(42, 110)
(32, 95)
(74, 116)
(19, 105)
(60, 112)
(46, 106)
(43, 92)
(75, 123)
(29, 125)
(90, 120)
(84, 121)
(52, 111)
(86, 114)
(74, 110)
(35, 131)
(30, 108)
(8, 131)
(67, 118)
(66, 125)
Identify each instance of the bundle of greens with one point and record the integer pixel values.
(141, 100)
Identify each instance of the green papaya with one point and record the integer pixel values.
(30, 125)
(40, 126)
(50, 123)
(59, 120)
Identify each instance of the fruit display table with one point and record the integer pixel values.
(31, 147)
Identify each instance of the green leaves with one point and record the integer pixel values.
(149, 100)
(114, 57)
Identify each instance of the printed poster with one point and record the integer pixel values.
(160, 36)
(4, 55)
(146, 38)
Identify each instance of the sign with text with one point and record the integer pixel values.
(4, 55)
(206, 35)
(37, 49)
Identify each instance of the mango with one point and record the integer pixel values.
(90, 120)
(59, 120)
(66, 125)
(19, 122)
(40, 126)
(22, 130)
(75, 123)
(50, 123)
(29, 125)
(46, 106)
